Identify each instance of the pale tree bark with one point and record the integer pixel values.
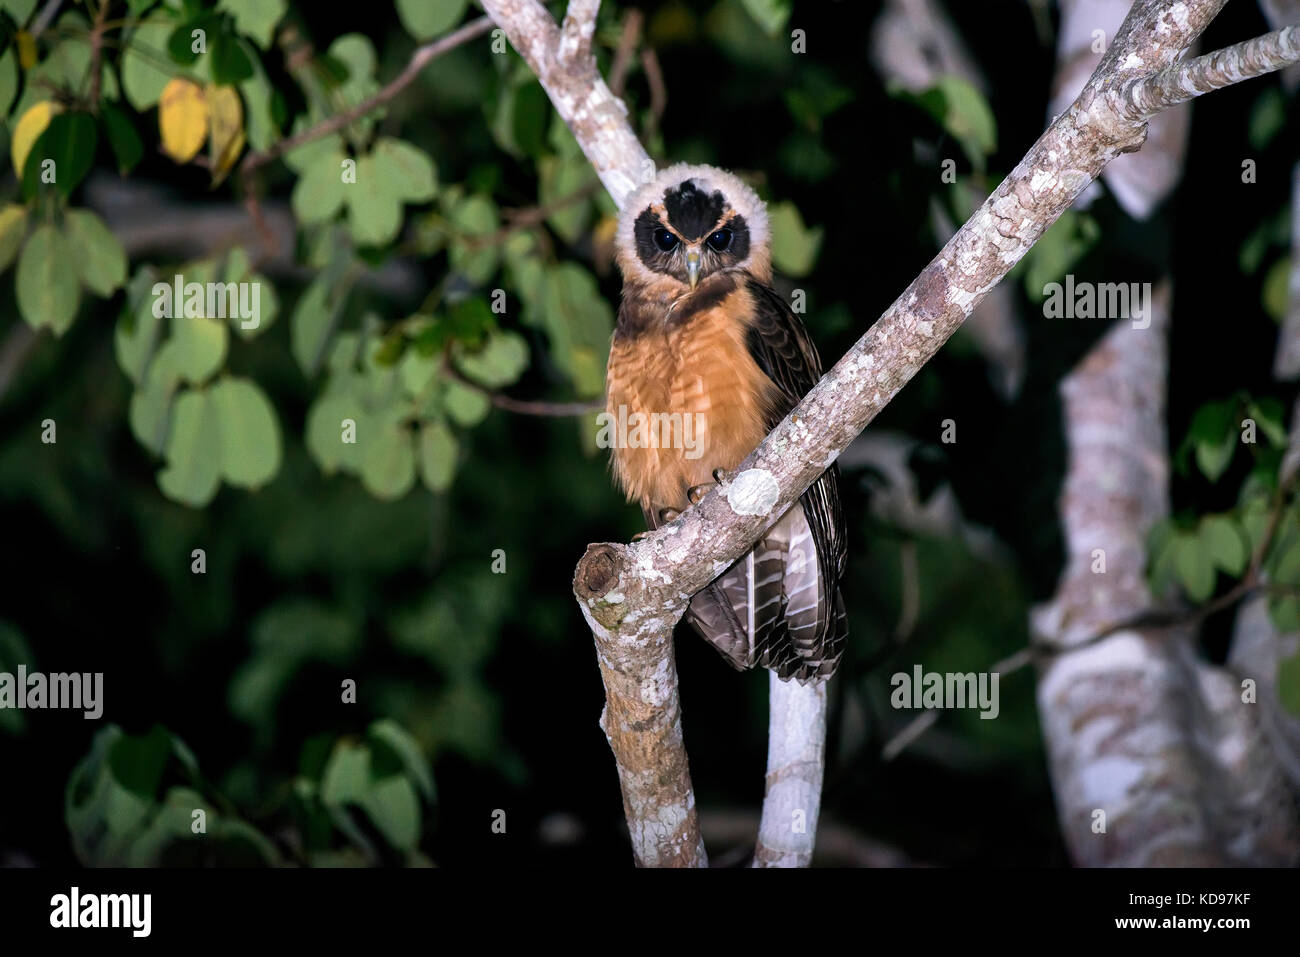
(633, 595)
(1155, 759)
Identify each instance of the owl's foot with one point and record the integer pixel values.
(698, 492)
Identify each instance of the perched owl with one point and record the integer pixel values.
(707, 358)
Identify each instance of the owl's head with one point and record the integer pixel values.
(689, 223)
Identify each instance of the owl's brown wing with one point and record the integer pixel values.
(814, 616)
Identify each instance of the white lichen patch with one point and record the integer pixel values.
(753, 492)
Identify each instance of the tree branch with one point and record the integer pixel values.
(796, 745)
(1144, 97)
(597, 118)
(419, 60)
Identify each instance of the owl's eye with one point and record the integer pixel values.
(665, 240)
(720, 239)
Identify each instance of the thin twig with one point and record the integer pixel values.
(96, 52)
(627, 43)
(421, 58)
(540, 408)
(45, 17)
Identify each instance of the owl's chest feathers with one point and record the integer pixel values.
(684, 394)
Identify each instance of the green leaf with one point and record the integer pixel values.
(229, 62)
(578, 321)
(466, 407)
(387, 457)
(968, 118)
(256, 18)
(97, 255)
(13, 227)
(1288, 678)
(138, 761)
(500, 362)
(69, 141)
(390, 734)
(250, 433)
(8, 81)
(1195, 570)
(137, 333)
(1274, 292)
(149, 413)
(260, 120)
(193, 453)
(1284, 611)
(474, 216)
(199, 346)
(1269, 414)
(144, 62)
(374, 213)
(424, 19)
(324, 432)
(320, 190)
(1223, 541)
(559, 179)
(794, 246)
(404, 170)
(122, 137)
(347, 775)
(312, 323)
(1214, 437)
(1064, 244)
(394, 808)
(1267, 117)
(180, 43)
(771, 15)
(437, 456)
(46, 287)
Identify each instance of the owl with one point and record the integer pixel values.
(706, 359)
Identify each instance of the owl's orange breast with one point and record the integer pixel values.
(682, 400)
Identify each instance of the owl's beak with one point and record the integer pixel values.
(693, 265)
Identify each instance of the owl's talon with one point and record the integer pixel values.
(720, 476)
(667, 515)
(640, 535)
(697, 492)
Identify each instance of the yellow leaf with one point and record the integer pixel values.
(26, 44)
(28, 130)
(182, 119)
(227, 138)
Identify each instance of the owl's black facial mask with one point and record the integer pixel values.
(692, 220)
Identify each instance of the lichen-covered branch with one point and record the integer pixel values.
(643, 722)
(796, 762)
(566, 68)
(1146, 96)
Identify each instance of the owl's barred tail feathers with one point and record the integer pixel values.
(771, 608)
